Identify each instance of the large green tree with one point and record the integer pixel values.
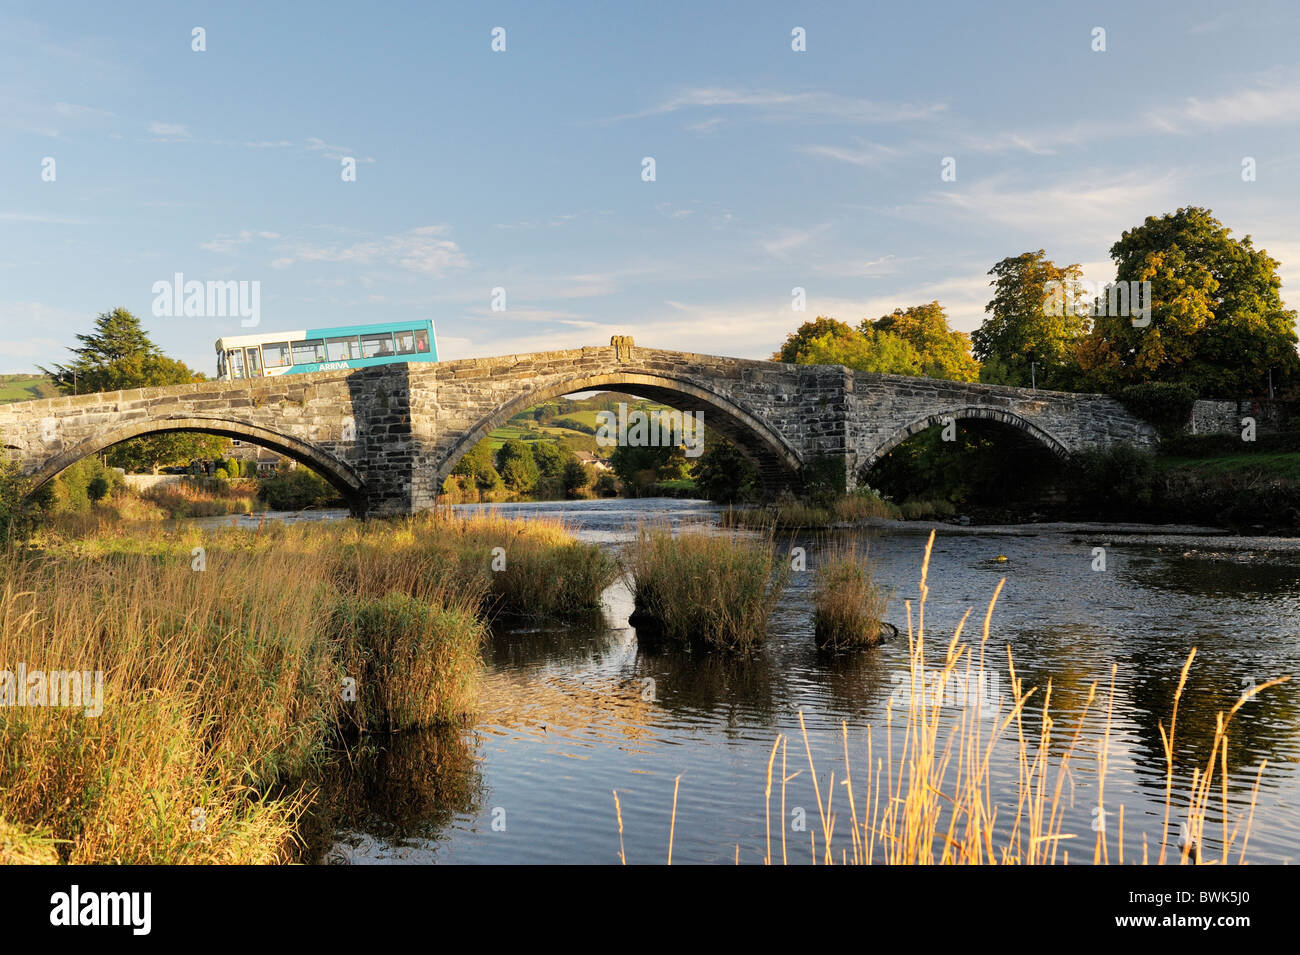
(1216, 323)
(799, 339)
(1028, 323)
(872, 350)
(517, 465)
(119, 355)
(911, 341)
(944, 353)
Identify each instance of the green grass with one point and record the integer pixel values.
(26, 388)
(1273, 465)
(588, 418)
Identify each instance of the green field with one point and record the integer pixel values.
(1269, 465)
(524, 427)
(25, 388)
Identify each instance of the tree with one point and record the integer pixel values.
(1216, 318)
(944, 353)
(119, 355)
(873, 350)
(806, 333)
(722, 473)
(1023, 327)
(575, 476)
(550, 458)
(517, 467)
(639, 466)
(476, 464)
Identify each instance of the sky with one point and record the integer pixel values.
(524, 169)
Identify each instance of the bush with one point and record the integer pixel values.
(575, 477)
(1166, 405)
(17, 514)
(98, 488)
(605, 485)
(1117, 483)
(297, 489)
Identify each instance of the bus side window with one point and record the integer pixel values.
(341, 349)
(254, 362)
(237, 363)
(276, 355)
(421, 341)
(377, 346)
(308, 352)
(405, 343)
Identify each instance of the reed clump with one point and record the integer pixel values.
(413, 662)
(224, 659)
(820, 512)
(848, 603)
(930, 800)
(711, 590)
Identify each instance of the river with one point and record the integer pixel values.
(572, 713)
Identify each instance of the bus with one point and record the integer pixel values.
(324, 349)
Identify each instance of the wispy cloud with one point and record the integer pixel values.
(1270, 103)
(814, 107)
(864, 154)
(334, 152)
(170, 132)
(41, 217)
(790, 240)
(1097, 203)
(424, 250)
(75, 111)
(229, 243)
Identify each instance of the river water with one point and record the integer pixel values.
(572, 713)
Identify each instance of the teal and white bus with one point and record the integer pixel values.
(324, 349)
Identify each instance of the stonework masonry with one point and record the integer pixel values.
(387, 436)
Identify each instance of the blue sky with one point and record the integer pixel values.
(523, 169)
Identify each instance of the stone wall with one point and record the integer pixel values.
(1217, 416)
(387, 436)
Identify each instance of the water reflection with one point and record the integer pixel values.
(571, 713)
(391, 800)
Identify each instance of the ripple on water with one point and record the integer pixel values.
(571, 715)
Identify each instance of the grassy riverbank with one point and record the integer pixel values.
(237, 665)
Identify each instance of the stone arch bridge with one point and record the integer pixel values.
(387, 436)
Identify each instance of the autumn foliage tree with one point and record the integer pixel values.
(1217, 322)
(1023, 341)
(912, 341)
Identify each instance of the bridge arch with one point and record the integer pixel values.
(341, 475)
(1048, 440)
(778, 463)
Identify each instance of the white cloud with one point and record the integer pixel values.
(1260, 106)
(419, 250)
(169, 132)
(1094, 205)
(42, 218)
(781, 245)
(790, 107)
(865, 154)
(334, 152)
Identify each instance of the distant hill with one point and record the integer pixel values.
(568, 421)
(26, 388)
